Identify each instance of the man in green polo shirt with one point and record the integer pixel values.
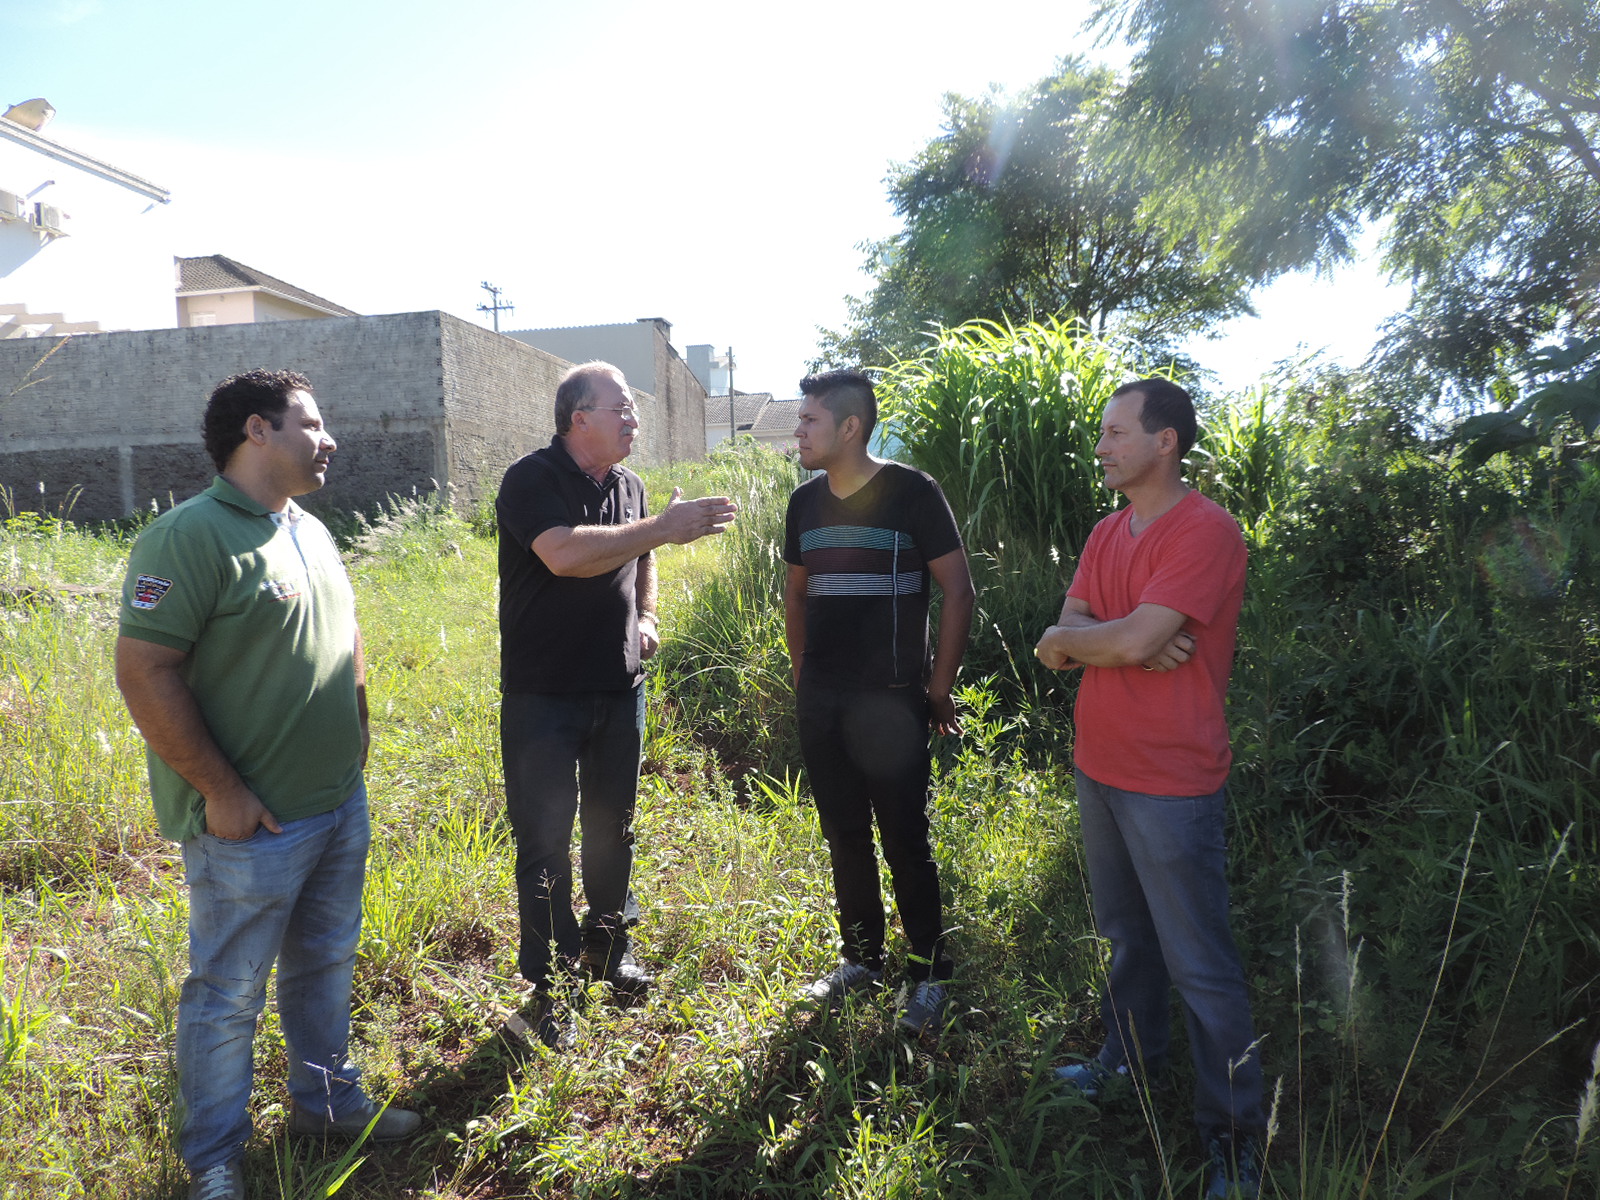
(240, 661)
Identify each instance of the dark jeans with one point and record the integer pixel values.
(558, 747)
(866, 754)
(1158, 874)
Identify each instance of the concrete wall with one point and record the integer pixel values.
(681, 406)
(673, 428)
(415, 400)
(630, 347)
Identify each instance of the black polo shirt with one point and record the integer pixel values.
(559, 634)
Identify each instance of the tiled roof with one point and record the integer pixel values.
(747, 408)
(778, 417)
(217, 273)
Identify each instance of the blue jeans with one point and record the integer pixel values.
(293, 898)
(556, 747)
(1157, 870)
(866, 755)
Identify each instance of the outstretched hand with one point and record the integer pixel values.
(689, 520)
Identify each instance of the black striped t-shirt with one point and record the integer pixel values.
(867, 586)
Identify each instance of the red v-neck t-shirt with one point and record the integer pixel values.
(1164, 733)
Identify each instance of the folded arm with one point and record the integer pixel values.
(1150, 636)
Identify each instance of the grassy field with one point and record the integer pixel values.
(720, 1084)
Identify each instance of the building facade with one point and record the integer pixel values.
(80, 241)
(217, 290)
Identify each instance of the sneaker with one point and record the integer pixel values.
(1088, 1079)
(622, 971)
(223, 1181)
(924, 1012)
(845, 979)
(543, 1020)
(1235, 1167)
(391, 1124)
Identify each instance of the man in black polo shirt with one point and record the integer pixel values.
(577, 618)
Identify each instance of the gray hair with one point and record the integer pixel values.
(576, 390)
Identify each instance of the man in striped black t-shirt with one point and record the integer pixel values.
(863, 540)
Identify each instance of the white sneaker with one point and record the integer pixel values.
(845, 979)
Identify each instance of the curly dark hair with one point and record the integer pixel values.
(233, 401)
(844, 394)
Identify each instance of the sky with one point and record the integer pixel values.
(712, 162)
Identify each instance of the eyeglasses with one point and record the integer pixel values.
(628, 411)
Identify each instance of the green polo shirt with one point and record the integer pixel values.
(261, 604)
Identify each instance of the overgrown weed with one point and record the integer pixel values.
(721, 1084)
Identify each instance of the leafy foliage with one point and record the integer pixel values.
(1468, 127)
(1016, 211)
(1006, 419)
(1411, 977)
(1564, 386)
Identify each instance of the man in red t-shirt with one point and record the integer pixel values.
(1151, 615)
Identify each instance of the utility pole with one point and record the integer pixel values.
(733, 430)
(496, 307)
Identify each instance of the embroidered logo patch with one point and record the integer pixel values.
(148, 590)
(280, 589)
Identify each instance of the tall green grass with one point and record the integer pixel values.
(722, 613)
(1414, 981)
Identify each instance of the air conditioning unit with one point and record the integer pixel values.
(49, 218)
(11, 206)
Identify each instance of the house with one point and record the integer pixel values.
(713, 370)
(215, 290)
(775, 424)
(80, 248)
(755, 414)
(745, 408)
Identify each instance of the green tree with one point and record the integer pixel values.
(1467, 128)
(1017, 211)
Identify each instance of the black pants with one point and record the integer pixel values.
(866, 755)
(571, 756)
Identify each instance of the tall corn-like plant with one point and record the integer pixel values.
(725, 663)
(1246, 458)
(1006, 418)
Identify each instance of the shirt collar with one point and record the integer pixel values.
(564, 459)
(224, 491)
